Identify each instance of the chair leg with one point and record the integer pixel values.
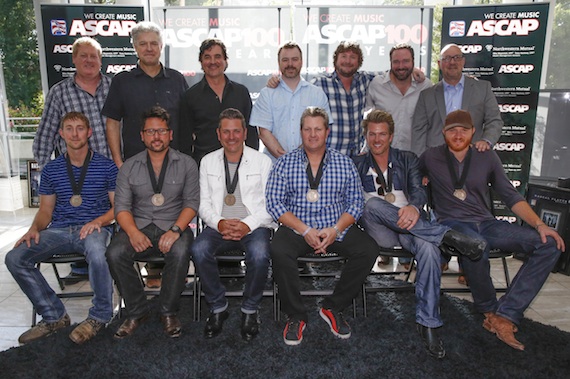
(364, 304)
(506, 270)
(59, 279)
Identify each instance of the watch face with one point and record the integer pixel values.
(176, 229)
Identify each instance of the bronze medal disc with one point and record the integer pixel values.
(460, 194)
(75, 200)
(390, 197)
(312, 196)
(157, 199)
(230, 199)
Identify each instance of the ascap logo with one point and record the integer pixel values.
(116, 68)
(509, 146)
(62, 49)
(101, 28)
(510, 219)
(516, 68)
(513, 108)
(490, 28)
(471, 49)
(516, 183)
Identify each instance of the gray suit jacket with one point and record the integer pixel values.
(430, 113)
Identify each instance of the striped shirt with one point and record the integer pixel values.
(66, 96)
(99, 181)
(340, 189)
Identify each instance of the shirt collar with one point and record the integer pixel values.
(461, 83)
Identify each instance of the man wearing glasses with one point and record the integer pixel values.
(455, 91)
(156, 196)
(393, 216)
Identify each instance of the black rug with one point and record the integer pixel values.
(383, 345)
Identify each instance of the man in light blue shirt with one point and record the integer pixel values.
(277, 112)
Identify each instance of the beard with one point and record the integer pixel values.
(402, 74)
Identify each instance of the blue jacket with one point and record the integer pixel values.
(406, 166)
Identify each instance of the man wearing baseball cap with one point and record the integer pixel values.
(461, 177)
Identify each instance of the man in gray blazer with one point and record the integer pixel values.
(455, 91)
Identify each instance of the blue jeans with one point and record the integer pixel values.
(256, 247)
(531, 276)
(380, 221)
(22, 260)
(121, 257)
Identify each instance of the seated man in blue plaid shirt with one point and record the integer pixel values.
(316, 194)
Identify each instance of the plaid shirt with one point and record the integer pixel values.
(347, 109)
(66, 96)
(340, 190)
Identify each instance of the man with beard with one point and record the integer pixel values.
(455, 91)
(398, 93)
(277, 111)
(202, 104)
(156, 197)
(461, 177)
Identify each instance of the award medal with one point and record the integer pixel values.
(390, 197)
(458, 184)
(385, 186)
(231, 183)
(76, 200)
(158, 198)
(314, 181)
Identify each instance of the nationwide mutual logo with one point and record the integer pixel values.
(58, 27)
(456, 28)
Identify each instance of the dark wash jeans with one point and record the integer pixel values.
(121, 256)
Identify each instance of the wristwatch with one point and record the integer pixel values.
(176, 229)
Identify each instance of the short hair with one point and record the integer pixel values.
(315, 112)
(86, 41)
(289, 45)
(207, 44)
(231, 114)
(145, 27)
(155, 112)
(447, 47)
(377, 116)
(74, 116)
(402, 46)
(351, 46)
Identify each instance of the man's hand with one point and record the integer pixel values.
(327, 236)
(482, 145)
(419, 75)
(545, 231)
(89, 228)
(139, 241)
(233, 229)
(409, 216)
(273, 81)
(167, 240)
(32, 234)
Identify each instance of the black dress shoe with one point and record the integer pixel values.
(172, 326)
(129, 326)
(249, 325)
(214, 323)
(74, 278)
(464, 245)
(432, 342)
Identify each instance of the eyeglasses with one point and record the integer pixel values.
(151, 132)
(452, 58)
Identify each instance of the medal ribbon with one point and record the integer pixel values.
(231, 183)
(314, 181)
(386, 187)
(157, 187)
(458, 184)
(77, 187)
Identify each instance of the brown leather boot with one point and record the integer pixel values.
(504, 330)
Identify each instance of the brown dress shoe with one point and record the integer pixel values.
(44, 329)
(487, 323)
(172, 326)
(129, 326)
(504, 330)
(86, 330)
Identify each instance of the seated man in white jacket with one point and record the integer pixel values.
(232, 189)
